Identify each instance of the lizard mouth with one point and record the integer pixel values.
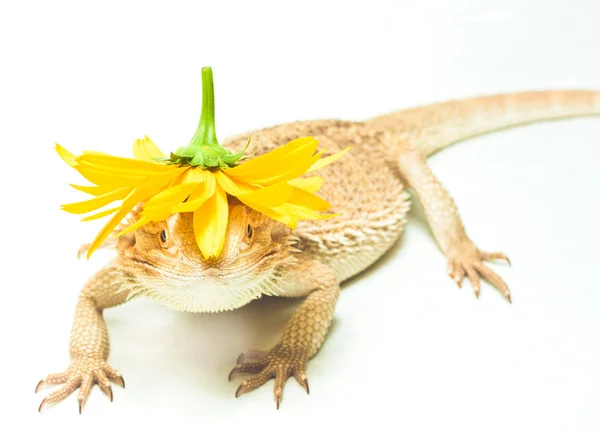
(141, 261)
(212, 272)
(206, 294)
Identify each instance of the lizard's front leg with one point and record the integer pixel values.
(302, 336)
(89, 345)
(464, 258)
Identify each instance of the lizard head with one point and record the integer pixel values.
(169, 268)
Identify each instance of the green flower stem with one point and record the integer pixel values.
(206, 133)
(204, 150)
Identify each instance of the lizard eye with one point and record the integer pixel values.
(249, 232)
(163, 235)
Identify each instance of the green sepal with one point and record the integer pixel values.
(196, 161)
(231, 159)
(186, 151)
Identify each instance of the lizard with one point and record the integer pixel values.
(367, 188)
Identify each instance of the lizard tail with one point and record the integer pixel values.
(436, 126)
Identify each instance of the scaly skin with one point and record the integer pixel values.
(262, 256)
(89, 345)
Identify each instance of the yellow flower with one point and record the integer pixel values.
(197, 178)
(270, 184)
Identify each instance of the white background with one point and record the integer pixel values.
(408, 349)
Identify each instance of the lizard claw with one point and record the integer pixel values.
(302, 380)
(279, 363)
(467, 261)
(42, 405)
(488, 256)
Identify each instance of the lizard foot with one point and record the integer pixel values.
(83, 373)
(467, 261)
(280, 363)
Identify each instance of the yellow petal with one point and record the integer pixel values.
(171, 196)
(311, 201)
(154, 184)
(96, 203)
(302, 213)
(126, 207)
(142, 221)
(282, 213)
(106, 178)
(197, 175)
(210, 224)
(130, 165)
(100, 214)
(93, 190)
(66, 156)
(271, 196)
(199, 196)
(311, 184)
(282, 164)
(159, 212)
(162, 205)
(147, 188)
(179, 179)
(109, 171)
(144, 149)
(327, 160)
(231, 185)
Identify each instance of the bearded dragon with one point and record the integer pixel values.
(261, 256)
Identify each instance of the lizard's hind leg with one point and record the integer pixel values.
(464, 258)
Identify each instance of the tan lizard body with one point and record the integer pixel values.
(367, 187)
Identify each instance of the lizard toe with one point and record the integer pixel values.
(279, 363)
(467, 261)
(83, 373)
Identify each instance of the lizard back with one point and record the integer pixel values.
(373, 212)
